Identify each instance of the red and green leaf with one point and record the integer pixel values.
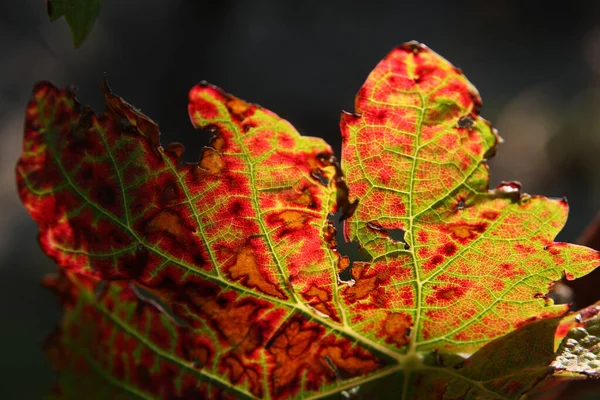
(237, 244)
(239, 253)
(475, 263)
(123, 346)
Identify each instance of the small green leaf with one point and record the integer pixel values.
(80, 15)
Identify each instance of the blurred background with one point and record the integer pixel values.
(536, 64)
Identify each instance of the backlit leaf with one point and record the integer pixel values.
(237, 244)
(223, 275)
(474, 263)
(122, 347)
(506, 368)
(113, 340)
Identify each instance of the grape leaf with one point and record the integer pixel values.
(245, 293)
(474, 263)
(80, 15)
(238, 244)
(506, 368)
(112, 339)
(123, 347)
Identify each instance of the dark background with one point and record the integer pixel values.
(536, 64)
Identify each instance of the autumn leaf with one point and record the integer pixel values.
(506, 368)
(80, 15)
(474, 264)
(237, 244)
(222, 277)
(111, 336)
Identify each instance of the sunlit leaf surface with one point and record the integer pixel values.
(222, 278)
(474, 263)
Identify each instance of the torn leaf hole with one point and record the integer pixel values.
(342, 199)
(375, 226)
(195, 143)
(396, 234)
(318, 176)
(346, 276)
(352, 250)
(465, 122)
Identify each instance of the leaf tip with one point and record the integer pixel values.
(79, 14)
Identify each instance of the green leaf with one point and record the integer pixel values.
(80, 15)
